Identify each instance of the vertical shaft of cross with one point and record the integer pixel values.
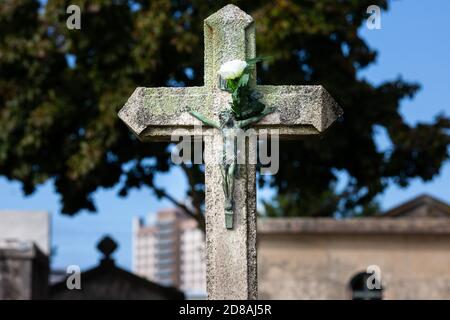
(231, 254)
(229, 34)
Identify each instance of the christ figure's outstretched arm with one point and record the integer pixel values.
(245, 123)
(205, 120)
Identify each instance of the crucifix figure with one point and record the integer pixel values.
(230, 129)
(153, 114)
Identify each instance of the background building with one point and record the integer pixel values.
(317, 258)
(24, 271)
(26, 226)
(171, 252)
(109, 281)
(193, 260)
(303, 258)
(24, 251)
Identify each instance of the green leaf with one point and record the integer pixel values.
(253, 61)
(231, 84)
(243, 80)
(236, 101)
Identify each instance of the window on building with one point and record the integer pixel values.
(362, 287)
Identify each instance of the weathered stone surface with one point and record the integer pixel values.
(229, 34)
(24, 271)
(355, 226)
(230, 254)
(163, 107)
(321, 266)
(308, 107)
(156, 113)
(305, 258)
(308, 258)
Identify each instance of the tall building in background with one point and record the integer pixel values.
(170, 251)
(193, 259)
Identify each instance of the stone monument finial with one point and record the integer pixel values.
(107, 246)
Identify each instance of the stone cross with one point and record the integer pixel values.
(153, 114)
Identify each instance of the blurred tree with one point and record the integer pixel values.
(60, 91)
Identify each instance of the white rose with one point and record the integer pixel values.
(232, 69)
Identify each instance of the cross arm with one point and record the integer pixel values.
(300, 110)
(154, 113)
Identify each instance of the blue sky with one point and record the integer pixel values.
(413, 42)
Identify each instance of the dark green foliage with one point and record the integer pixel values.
(245, 103)
(59, 121)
